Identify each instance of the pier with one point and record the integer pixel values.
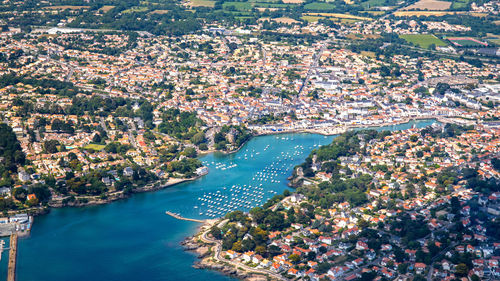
(179, 217)
(11, 272)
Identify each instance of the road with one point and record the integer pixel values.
(217, 255)
(314, 64)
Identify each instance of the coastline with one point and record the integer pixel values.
(206, 251)
(117, 195)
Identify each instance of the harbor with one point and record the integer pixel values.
(61, 239)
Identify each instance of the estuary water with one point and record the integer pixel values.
(133, 239)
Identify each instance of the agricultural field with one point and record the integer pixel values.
(238, 6)
(160, 12)
(370, 4)
(429, 5)
(422, 40)
(293, 1)
(495, 41)
(311, 18)
(459, 4)
(374, 13)
(106, 9)
(96, 147)
(285, 20)
(433, 13)
(135, 10)
(337, 15)
(201, 3)
(67, 7)
(319, 6)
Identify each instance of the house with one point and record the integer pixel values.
(386, 247)
(31, 196)
(5, 190)
(294, 272)
(295, 198)
(276, 267)
(266, 263)
(326, 240)
(420, 267)
(446, 265)
(358, 262)
(128, 172)
(257, 259)
(361, 246)
(106, 181)
(312, 264)
(247, 256)
(232, 254)
(23, 176)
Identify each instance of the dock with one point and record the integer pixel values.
(179, 217)
(11, 272)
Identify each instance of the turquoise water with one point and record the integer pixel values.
(133, 239)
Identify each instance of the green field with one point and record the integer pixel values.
(238, 6)
(373, 3)
(311, 18)
(271, 5)
(96, 147)
(202, 3)
(135, 10)
(319, 6)
(459, 4)
(423, 40)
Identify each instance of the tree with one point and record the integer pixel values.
(96, 138)
(237, 247)
(294, 258)
(461, 269)
(50, 146)
(20, 194)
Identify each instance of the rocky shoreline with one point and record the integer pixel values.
(205, 261)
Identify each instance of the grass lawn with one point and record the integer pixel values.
(96, 147)
(319, 6)
(423, 40)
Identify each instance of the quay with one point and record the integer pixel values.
(179, 217)
(11, 272)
